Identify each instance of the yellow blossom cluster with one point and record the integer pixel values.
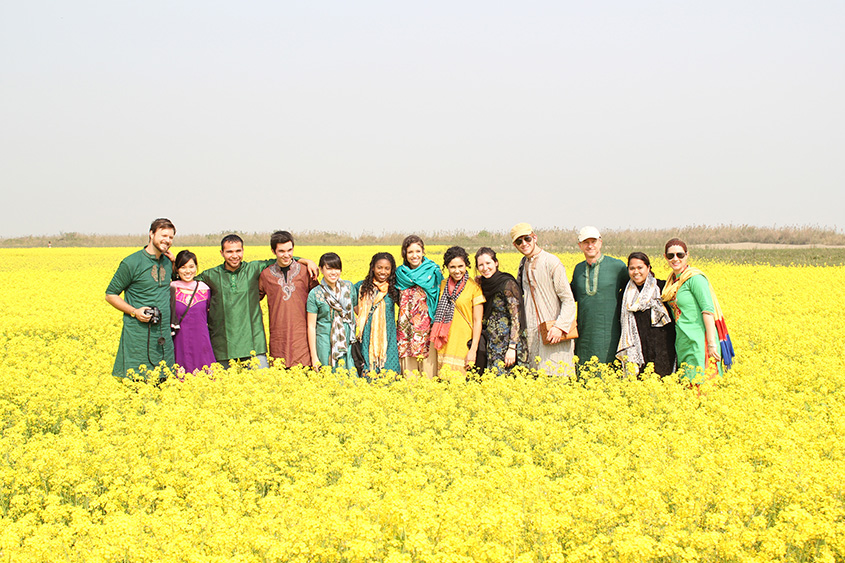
(296, 465)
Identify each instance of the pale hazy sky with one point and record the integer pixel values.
(406, 116)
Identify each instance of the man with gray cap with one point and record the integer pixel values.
(597, 284)
(548, 300)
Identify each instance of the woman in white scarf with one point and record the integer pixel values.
(648, 334)
(331, 317)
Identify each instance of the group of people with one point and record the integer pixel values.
(412, 319)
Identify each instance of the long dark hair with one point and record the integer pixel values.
(367, 285)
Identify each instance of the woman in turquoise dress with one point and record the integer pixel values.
(376, 310)
(331, 317)
(701, 337)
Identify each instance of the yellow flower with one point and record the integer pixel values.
(295, 464)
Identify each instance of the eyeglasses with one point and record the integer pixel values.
(671, 255)
(525, 239)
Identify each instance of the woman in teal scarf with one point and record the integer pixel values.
(418, 281)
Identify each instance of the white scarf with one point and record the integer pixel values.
(634, 299)
(340, 301)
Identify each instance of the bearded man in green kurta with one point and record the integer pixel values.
(144, 280)
(598, 284)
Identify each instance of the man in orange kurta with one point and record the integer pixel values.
(286, 284)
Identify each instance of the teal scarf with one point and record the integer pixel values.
(428, 276)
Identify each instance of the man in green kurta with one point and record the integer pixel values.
(234, 316)
(598, 284)
(144, 279)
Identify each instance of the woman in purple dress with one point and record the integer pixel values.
(190, 315)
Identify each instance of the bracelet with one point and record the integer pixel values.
(132, 314)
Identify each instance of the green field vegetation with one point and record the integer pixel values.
(819, 245)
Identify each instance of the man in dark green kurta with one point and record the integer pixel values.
(234, 316)
(144, 279)
(597, 285)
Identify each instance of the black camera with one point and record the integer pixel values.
(154, 313)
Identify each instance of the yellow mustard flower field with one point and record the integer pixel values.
(292, 465)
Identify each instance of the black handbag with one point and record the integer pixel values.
(481, 353)
(358, 357)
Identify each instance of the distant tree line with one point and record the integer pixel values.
(557, 239)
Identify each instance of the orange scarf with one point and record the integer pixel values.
(372, 306)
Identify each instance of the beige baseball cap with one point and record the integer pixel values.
(520, 229)
(588, 232)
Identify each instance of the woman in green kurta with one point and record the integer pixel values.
(699, 326)
(331, 317)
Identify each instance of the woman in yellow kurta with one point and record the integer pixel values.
(457, 321)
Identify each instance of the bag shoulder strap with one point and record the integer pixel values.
(373, 309)
(191, 300)
(461, 313)
(520, 271)
(173, 320)
(531, 290)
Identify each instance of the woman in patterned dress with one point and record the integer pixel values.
(503, 321)
(418, 281)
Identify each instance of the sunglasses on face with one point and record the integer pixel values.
(522, 240)
(671, 255)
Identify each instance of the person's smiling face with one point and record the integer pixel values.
(677, 258)
(526, 244)
(457, 268)
(638, 271)
(331, 275)
(381, 270)
(162, 239)
(414, 255)
(591, 248)
(284, 254)
(187, 271)
(486, 265)
(233, 255)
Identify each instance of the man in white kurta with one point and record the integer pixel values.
(547, 297)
